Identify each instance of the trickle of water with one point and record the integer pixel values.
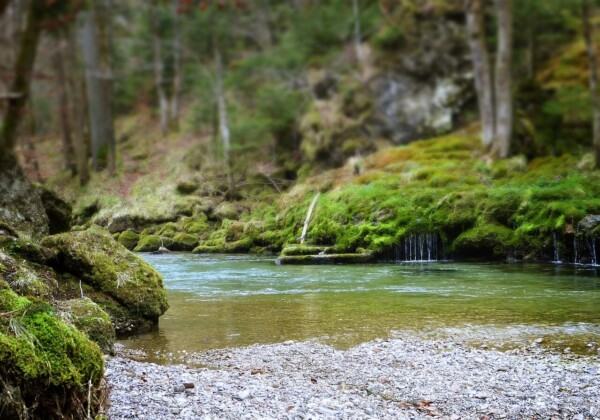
(575, 251)
(556, 248)
(418, 247)
(593, 259)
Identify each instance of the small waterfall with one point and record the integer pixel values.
(419, 247)
(584, 250)
(593, 252)
(575, 250)
(555, 244)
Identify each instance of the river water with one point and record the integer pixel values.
(225, 301)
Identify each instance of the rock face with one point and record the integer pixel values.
(58, 211)
(426, 85)
(124, 285)
(20, 203)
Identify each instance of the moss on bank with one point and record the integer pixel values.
(48, 368)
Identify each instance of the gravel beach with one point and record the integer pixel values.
(397, 378)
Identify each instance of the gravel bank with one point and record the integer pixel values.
(399, 378)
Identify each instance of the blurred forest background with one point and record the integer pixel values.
(197, 113)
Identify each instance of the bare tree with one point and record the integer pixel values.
(21, 84)
(64, 107)
(163, 102)
(494, 93)
(482, 70)
(98, 96)
(504, 96)
(588, 32)
(177, 49)
(223, 120)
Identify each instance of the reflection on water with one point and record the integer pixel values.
(221, 301)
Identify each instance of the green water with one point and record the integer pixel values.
(223, 301)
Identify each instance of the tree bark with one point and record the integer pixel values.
(588, 32)
(504, 97)
(77, 94)
(163, 102)
(105, 31)
(177, 48)
(64, 109)
(482, 69)
(223, 122)
(100, 115)
(22, 78)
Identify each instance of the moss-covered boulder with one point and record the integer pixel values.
(111, 270)
(184, 242)
(89, 318)
(129, 239)
(235, 247)
(48, 368)
(151, 243)
(484, 242)
(228, 210)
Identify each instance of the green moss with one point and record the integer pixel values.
(484, 242)
(149, 243)
(129, 239)
(89, 318)
(111, 269)
(45, 365)
(184, 242)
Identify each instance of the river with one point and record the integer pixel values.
(222, 301)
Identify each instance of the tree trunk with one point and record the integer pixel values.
(22, 78)
(588, 32)
(482, 69)
(177, 48)
(100, 118)
(223, 123)
(64, 110)
(163, 102)
(3, 6)
(77, 95)
(357, 32)
(504, 97)
(105, 31)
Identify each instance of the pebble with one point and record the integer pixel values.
(407, 377)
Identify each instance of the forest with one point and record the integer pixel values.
(160, 152)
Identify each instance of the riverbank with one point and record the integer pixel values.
(406, 377)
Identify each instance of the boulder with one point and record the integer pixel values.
(20, 203)
(588, 223)
(89, 318)
(127, 287)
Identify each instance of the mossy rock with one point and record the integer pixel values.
(196, 225)
(325, 259)
(304, 250)
(187, 205)
(151, 243)
(228, 210)
(111, 269)
(184, 242)
(236, 247)
(484, 243)
(188, 186)
(47, 368)
(129, 239)
(88, 317)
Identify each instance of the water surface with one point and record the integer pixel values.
(222, 301)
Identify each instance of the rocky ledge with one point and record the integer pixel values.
(400, 378)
